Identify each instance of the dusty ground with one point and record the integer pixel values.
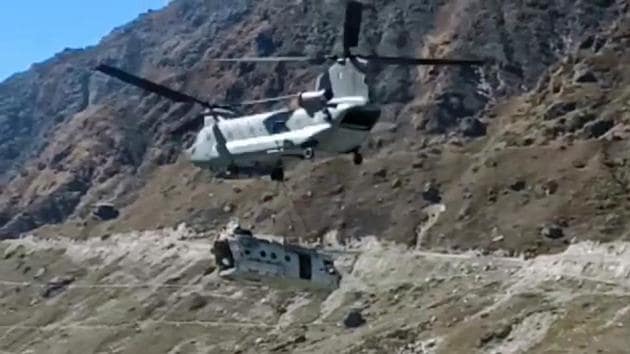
(155, 292)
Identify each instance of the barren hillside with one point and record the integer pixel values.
(489, 216)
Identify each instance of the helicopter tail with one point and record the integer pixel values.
(344, 79)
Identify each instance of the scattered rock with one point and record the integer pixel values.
(57, 285)
(236, 189)
(267, 197)
(552, 231)
(197, 302)
(12, 250)
(498, 238)
(579, 164)
(550, 187)
(105, 211)
(464, 212)
(431, 193)
(40, 273)
(500, 333)
(518, 185)
(492, 195)
(598, 128)
(337, 190)
(228, 208)
(491, 163)
(418, 164)
(397, 183)
(577, 121)
(584, 75)
(353, 319)
(472, 127)
(382, 173)
(559, 109)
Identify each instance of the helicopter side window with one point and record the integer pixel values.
(273, 255)
(279, 126)
(263, 254)
(277, 123)
(287, 258)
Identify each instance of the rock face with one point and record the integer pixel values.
(70, 137)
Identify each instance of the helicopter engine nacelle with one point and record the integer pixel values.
(314, 100)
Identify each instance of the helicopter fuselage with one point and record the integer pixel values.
(258, 144)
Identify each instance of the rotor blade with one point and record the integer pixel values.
(418, 61)
(352, 25)
(271, 59)
(266, 100)
(152, 86)
(192, 125)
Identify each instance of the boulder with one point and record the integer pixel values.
(353, 319)
(472, 127)
(105, 211)
(431, 193)
(552, 231)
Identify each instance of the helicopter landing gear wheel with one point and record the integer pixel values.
(357, 158)
(277, 174)
(309, 153)
(233, 170)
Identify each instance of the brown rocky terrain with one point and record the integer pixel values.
(527, 156)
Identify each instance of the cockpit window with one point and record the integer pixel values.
(277, 123)
(360, 118)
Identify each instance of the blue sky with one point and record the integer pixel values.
(33, 30)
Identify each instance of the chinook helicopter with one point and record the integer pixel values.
(335, 118)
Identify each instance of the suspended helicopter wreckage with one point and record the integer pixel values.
(335, 118)
(242, 256)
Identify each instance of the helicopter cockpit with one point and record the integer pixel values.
(223, 255)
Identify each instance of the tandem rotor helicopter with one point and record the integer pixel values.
(335, 118)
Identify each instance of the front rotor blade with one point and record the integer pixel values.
(352, 25)
(150, 85)
(271, 59)
(418, 61)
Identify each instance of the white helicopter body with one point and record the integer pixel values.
(260, 143)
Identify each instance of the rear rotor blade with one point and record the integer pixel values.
(152, 86)
(352, 26)
(418, 61)
(266, 100)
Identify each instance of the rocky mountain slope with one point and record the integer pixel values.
(72, 137)
(505, 189)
